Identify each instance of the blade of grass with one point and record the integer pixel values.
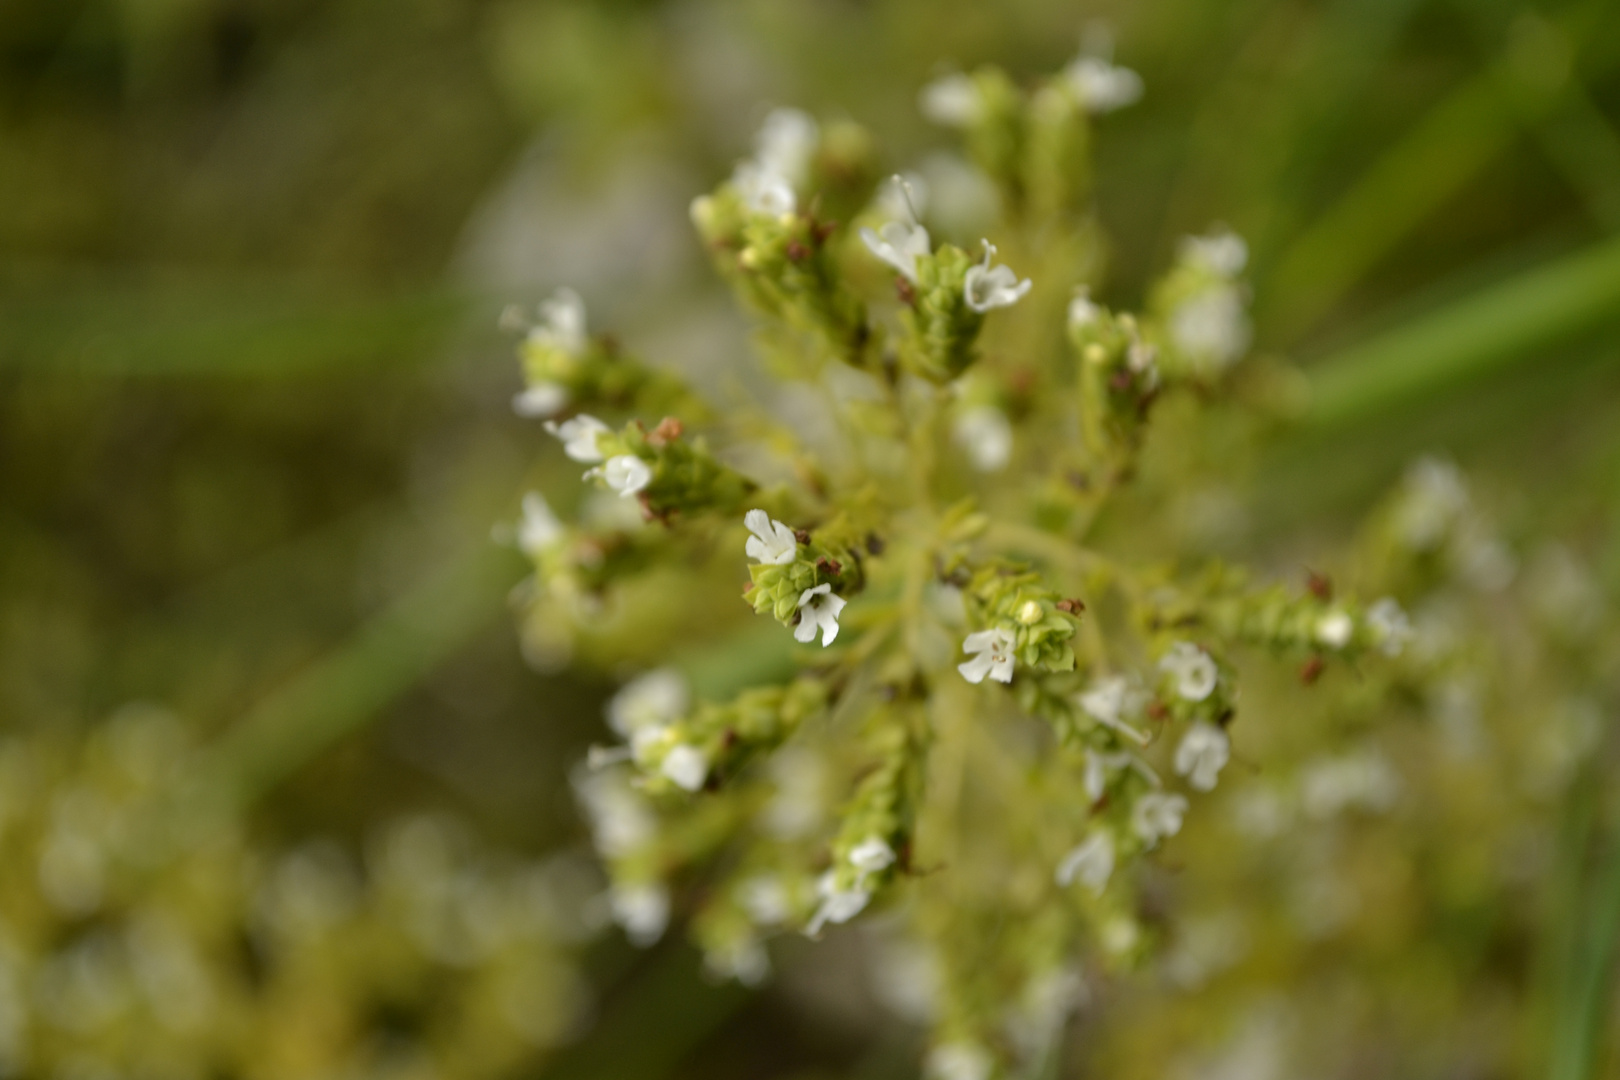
(1464, 340)
(1442, 152)
(349, 687)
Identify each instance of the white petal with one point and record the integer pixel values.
(540, 400)
(977, 668)
(686, 766)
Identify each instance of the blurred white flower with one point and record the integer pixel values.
(983, 431)
(952, 101)
(648, 701)
(1390, 626)
(539, 528)
(685, 766)
(872, 855)
(540, 400)
(1157, 815)
(992, 655)
(624, 473)
(1222, 252)
(986, 288)
(642, 910)
(1192, 668)
(818, 609)
(773, 543)
(1335, 629)
(1202, 754)
(959, 1061)
(898, 244)
(837, 905)
(1091, 863)
(578, 437)
(1101, 86)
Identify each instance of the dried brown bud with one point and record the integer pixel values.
(830, 567)
(1071, 606)
(1319, 585)
(1312, 670)
(797, 252)
(905, 291)
(668, 430)
(801, 535)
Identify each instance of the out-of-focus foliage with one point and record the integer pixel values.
(245, 443)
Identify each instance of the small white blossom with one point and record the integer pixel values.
(1083, 311)
(578, 437)
(648, 701)
(1364, 781)
(1091, 863)
(959, 1061)
(898, 244)
(986, 288)
(1223, 252)
(773, 543)
(1101, 86)
(685, 766)
(837, 905)
(992, 652)
(764, 191)
(818, 608)
(983, 431)
(1434, 497)
(1390, 626)
(904, 196)
(540, 400)
(1213, 326)
(1335, 629)
(643, 911)
(1157, 815)
(625, 473)
(562, 323)
(620, 819)
(746, 961)
(871, 856)
(539, 528)
(952, 101)
(786, 143)
(1203, 753)
(1099, 766)
(766, 900)
(1192, 668)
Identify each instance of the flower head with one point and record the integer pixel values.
(643, 911)
(986, 288)
(624, 473)
(1193, 669)
(1335, 629)
(1203, 753)
(1101, 86)
(562, 323)
(818, 607)
(898, 244)
(763, 190)
(773, 543)
(539, 528)
(1390, 626)
(651, 700)
(1091, 863)
(983, 431)
(578, 437)
(952, 101)
(872, 855)
(785, 144)
(1157, 815)
(539, 400)
(1083, 310)
(992, 652)
(837, 905)
(685, 766)
(1212, 326)
(1223, 252)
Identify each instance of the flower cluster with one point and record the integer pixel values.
(967, 704)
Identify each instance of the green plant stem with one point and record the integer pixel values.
(1494, 327)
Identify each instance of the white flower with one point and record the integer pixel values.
(986, 288)
(764, 191)
(1434, 497)
(1203, 752)
(785, 144)
(952, 101)
(837, 905)
(1156, 815)
(1102, 87)
(1083, 311)
(1390, 626)
(898, 244)
(904, 196)
(746, 961)
(648, 701)
(1333, 785)
(818, 607)
(620, 819)
(1100, 765)
(766, 900)
(1223, 252)
(959, 1061)
(685, 766)
(1192, 668)
(1091, 864)
(539, 528)
(871, 856)
(1335, 629)
(625, 473)
(562, 323)
(983, 431)
(540, 400)
(994, 655)
(579, 437)
(1212, 326)
(773, 543)
(643, 911)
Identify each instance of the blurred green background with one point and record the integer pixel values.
(254, 422)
